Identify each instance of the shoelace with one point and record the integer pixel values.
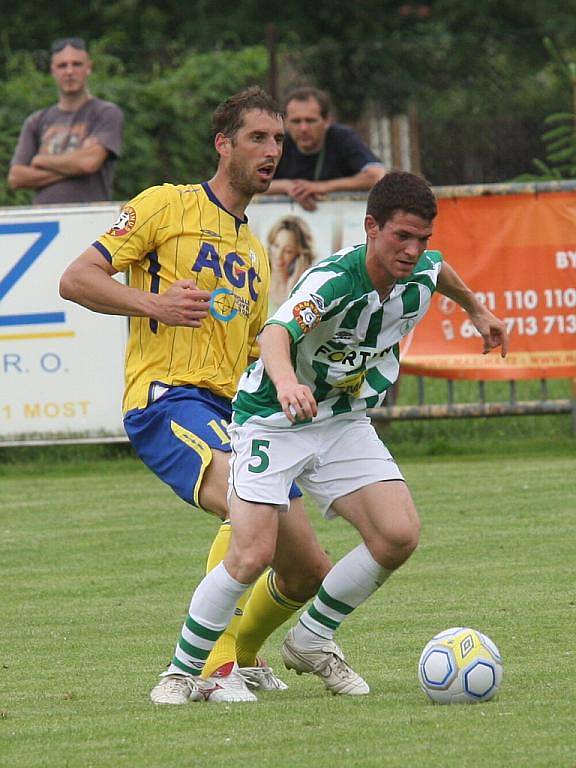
(341, 669)
(267, 675)
(333, 663)
(177, 683)
(237, 681)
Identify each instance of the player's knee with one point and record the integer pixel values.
(392, 548)
(410, 540)
(251, 562)
(404, 538)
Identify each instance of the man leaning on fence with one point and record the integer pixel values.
(321, 156)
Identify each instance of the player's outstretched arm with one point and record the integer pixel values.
(296, 399)
(491, 328)
(89, 281)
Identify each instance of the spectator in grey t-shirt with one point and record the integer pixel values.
(67, 152)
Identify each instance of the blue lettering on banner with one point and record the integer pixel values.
(50, 362)
(11, 362)
(14, 364)
(47, 231)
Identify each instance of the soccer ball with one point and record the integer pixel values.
(460, 666)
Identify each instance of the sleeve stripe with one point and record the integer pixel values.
(104, 251)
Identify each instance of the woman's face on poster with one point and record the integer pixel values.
(283, 249)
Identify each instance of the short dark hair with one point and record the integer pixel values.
(228, 116)
(401, 191)
(76, 42)
(306, 92)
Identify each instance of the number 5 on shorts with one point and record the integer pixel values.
(259, 448)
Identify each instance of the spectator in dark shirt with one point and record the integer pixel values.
(67, 152)
(320, 156)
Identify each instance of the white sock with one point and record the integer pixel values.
(211, 609)
(350, 582)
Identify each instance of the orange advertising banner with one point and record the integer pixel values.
(518, 253)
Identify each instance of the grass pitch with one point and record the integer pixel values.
(98, 563)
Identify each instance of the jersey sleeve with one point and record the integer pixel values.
(139, 229)
(310, 301)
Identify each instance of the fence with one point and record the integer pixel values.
(483, 407)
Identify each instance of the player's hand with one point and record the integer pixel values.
(297, 401)
(182, 304)
(492, 330)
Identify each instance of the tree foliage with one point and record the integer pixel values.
(559, 138)
(476, 70)
(167, 135)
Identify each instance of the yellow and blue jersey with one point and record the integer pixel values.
(170, 233)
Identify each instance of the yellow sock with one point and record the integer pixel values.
(266, 609)
(225, 649)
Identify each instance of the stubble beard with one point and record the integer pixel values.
(243, 182)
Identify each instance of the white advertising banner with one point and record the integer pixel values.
(62, 366)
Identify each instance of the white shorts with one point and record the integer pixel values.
(328, 460)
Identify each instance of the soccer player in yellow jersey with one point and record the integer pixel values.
(197, 295)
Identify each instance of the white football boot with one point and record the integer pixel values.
(226, 685)
(328, 663)
(176, 689)
(262, 677)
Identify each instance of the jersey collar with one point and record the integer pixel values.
(213, 199)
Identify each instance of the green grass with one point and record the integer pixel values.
(98, 563)
(518, 435)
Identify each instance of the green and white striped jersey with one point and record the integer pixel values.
(345, 340)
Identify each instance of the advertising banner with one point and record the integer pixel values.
(61, 366)
(518, 251)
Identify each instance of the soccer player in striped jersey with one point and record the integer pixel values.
(329, 353)
(197, 296)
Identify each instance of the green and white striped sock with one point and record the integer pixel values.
(211, 608)
(350, 582)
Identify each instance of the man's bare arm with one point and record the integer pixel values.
(80, 162)
(297, 401)
(491, 328)
(307, 193)
(89, 281)
(28, 177)
(363, 180)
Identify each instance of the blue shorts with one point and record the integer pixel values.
(175, 435)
